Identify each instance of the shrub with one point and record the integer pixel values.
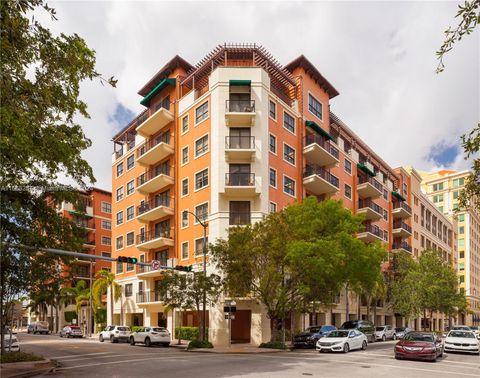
(69, 316)
(189, 333)
(136, 328)
(19, 357)
(273, 345)
(199, 344)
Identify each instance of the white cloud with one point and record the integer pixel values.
(379, 55)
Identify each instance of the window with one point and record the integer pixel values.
(130, 212)
(288, 154)
(120, 193)
(119, 268)
(106, 240)
(239, 213)
(185, 187)
(201, 146)
(273, 177)
(184, 218)
(128, 289)
(385, 235)
(315, 107)
(119, 218)
(131, 162)
(201, 211)
(455, 194)
(405, 188)
(461, 218)
(461, 266)
(185, 250)
(106, 254)
(106, 207)
(288, 186)
(185, 155)
(455, 206)
(385, 194)
(185, 124)
(461, 230)
(438, 186)
(289, 122)
(348, 166)
(385, 214)
(119, 242)
(461, 242)
(461, 279)
(201, 179)
(461, 254)
(458, 182)
(130, 238)
(438, 198)
(272, 207)
(272, 143)
(106, 225)
(199, 246)
(348, 191)
(119, 169)
(130, 187)
(273, 110)
(440, 208)
(201, 112)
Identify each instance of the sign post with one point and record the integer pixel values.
(230, 308)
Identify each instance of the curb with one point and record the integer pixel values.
(206, 350)
(39, 367)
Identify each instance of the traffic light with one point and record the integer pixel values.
(183, 268)
(128, 260)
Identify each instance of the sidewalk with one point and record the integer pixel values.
(26, 369)
(225, 349)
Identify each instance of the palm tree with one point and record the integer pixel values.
(105, 280)
(79, 293)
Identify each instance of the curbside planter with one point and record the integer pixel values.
(27, 368)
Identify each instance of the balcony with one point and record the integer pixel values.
(240, 113)
(239, 218)
(402, 246)
(401, 210)
(240, 184)
(154, 150)
(401, 229)
(157, 121)
(87, 224)
(154, 179)
(148, 297)
(368, 187)
(371, 234)
(154, 209)
(369, 209)
(319, 151)
(153, 240)
(239, 148)
(319, 181)
(89, 243)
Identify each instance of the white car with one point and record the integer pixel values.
(151, 335)
(342, 341)
(476, 331)
(115, 333)
(385, 332)
(11, 345)
(462, 341)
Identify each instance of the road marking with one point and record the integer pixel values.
(78, 355)
(90, 357)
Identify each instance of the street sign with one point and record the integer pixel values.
(229, 309)
(230, 316)
(155, 264)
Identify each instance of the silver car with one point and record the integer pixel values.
(151, 335)
(385, 332)
(115, 333)
(70, 331)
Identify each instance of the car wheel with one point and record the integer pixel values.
(148, 343)
(394, 337)
(132, 341)
(384, 338)
(100, 338)
(346, 348)
(112, 339)
(364, 345)
(397, 357)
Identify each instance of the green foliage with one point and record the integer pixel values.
(69, 316)
(199, 344)
(100, 316)
(6, 358)
(78, 293)
(105, 279)
(470, 194)
(188, 333)
(136, 328)
(273, 345)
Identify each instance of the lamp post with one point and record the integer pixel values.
(204, 225)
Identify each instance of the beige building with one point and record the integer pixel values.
(443, 189)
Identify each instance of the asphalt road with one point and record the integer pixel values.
(90, 358)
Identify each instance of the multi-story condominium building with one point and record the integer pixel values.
(231, 139)
(443, 189)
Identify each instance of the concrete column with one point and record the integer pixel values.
(328, 318)
(218, 330)
(260, 331)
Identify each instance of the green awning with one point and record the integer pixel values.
(318, 129)
(398, 196)
(240, 82)
(154, 91)
(365, 169)
(80, 213)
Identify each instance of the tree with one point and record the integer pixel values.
(470, 194)
(79, 293)
(40, 139)
(105, 280)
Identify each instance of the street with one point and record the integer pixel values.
(90, 358)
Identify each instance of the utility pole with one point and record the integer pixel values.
(90, 300)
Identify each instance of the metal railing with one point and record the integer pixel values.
(148, 296)
(239, 179)
(153, 204)
(87, 223)
(152, 173)
(89, 242)
(150, 143)
(375, 230)
(362, 179)
(322, 142)
(402, 205)
(240, 106)
(152, 235)
(400, 224)
(402, 245)
(370, 204)
(321, 172)
(239, 142)
(239, 218)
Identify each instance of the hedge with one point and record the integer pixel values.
(136, 328)
(273, 345)
(199, 344)
(189, 333)
(19, 357)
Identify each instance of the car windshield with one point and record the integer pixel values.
(338, 334)
(158, 329)
(350, 324)
(418, 337)
(379, 328)
(466, 334)
(74, 327)
(460, 328)
(123, 329)
(313, 329)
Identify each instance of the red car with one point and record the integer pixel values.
(419, 346)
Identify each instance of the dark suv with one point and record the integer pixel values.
(310, 336)
(364, 326)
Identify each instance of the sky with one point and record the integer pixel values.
(380, 56)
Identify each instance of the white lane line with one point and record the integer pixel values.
(127, 361)
(79, 355)
(95, 357)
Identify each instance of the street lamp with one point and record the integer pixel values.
(204, 225)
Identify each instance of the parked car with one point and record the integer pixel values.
(462, 341)
(30, 328)
(385, 332)
(419, 346)
(311, 335)
(151, 335)
(476, 331)
(364, 326)
(71, 331)
(11, 344)
(342, 341)
(40, 327)
(400, 332)
(115, 333)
